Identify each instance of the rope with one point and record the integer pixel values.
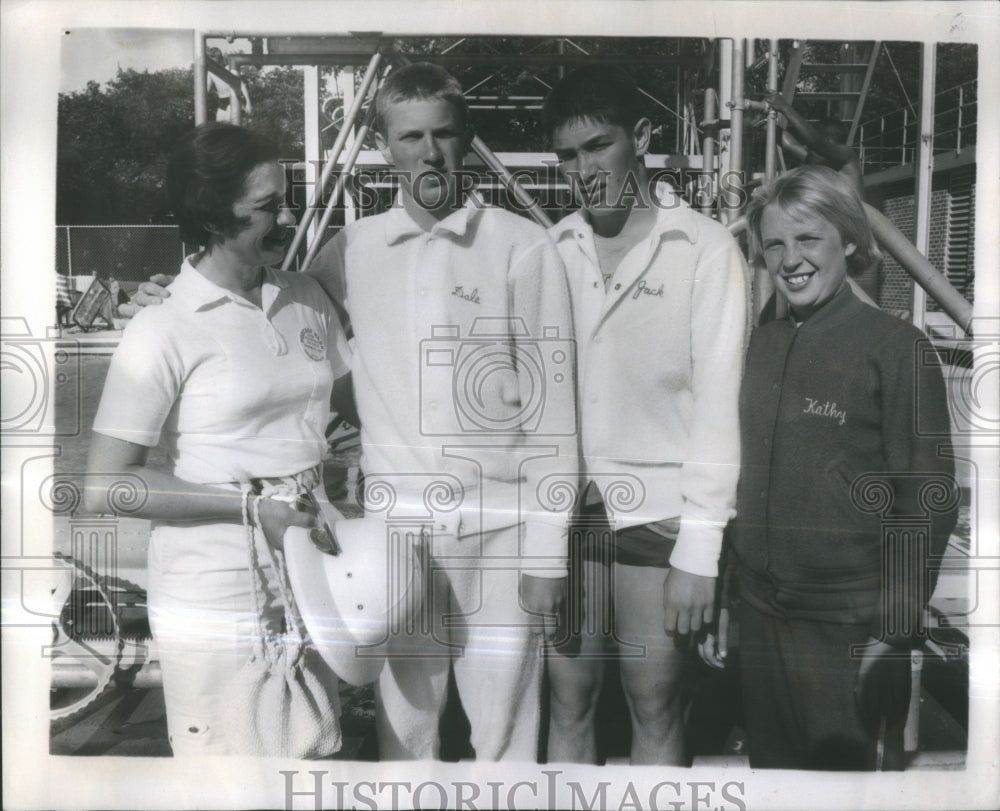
(293, 619)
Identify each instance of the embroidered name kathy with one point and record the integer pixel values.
(827, 409)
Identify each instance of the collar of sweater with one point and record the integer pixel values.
(842, 307)
(673, 215)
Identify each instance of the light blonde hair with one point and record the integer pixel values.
(419, 80)
(816, 191)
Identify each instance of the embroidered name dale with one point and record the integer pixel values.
(644, 289)
(460, 292)
(826, 409)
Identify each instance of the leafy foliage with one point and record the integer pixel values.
(113, 142)
(277, 96)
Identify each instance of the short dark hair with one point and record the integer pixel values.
(815, 191)
(419, 80)
(207, 173)
(602, 93)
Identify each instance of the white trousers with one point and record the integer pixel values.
(201, 613)
(471, 621)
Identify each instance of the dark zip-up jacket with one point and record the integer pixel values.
(847, 491)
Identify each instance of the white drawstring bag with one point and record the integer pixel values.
(283, 701)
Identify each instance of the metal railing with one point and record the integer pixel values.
(892, 139)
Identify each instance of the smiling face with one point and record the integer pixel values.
(426, 140)
(602, 162)
(806, 257)
(260, 236)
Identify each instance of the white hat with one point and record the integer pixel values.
(350, 600)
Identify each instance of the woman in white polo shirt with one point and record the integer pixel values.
(233, 374)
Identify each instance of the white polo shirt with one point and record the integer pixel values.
(437, 317)
(660, 362)
(234, 391)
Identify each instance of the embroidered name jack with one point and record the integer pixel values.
(642, 287)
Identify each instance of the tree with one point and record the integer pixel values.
(113, 142)
(278, 97)
(113, 145)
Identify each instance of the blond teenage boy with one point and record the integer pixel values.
(463, 373)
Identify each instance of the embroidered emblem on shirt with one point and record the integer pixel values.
(312, 343)
(826, 409)
(643, 288)
(460, 292)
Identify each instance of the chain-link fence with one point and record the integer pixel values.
(130, 253)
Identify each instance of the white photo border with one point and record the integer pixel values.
(31, 33)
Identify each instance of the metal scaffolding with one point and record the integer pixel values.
(714, 146)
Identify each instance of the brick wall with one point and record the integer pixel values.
(895, 287)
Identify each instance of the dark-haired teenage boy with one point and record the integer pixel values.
(660, 310)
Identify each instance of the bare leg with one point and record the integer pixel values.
(652, 680)
(576, 679)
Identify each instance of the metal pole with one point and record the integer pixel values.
(338, 147)
(79, 676)
(348, 167)
(764, 285)
(350, 213)
(678, 132)
(313, 144)
(708, 151)
(924, 168)
(771, 147)
(200, 80)
(523, 198)
(927, 277)
(725, 88)
(881, 141)
(736, 118)
(906, 127)
(734, 180)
